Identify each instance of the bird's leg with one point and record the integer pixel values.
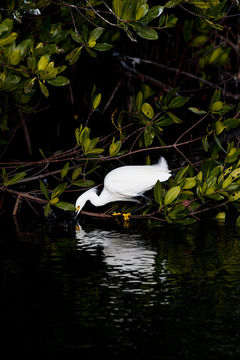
(148, 202)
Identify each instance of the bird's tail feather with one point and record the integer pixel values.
(163, 163)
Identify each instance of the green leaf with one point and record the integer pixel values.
(15, 179)
(158, 193)
(103, 47)
(199, 40)
(238, 221)
(172, 194)
(43, 88)
(177, 102)
(95, 34)
(47, 209)
(59, 81)
(44, 190)
(215, 54)
(178, 178)
(190, 182)
(197, 111)
(83, 183)
(227, 182)
(147, 33)
(43, 62)
(114, 147)
(142, 10)
(74, 55)
(216, 197)
(221, 216)
(219, 127)
(96, 101)
(54, 201)
(66, 206)
(76, 173)
(64, 170)
(152, 13)
(148, 110)
(59, 190)
(139, 101)
(9, 39)
(205, 143)
(231, 123)
(217, 106)
(218, 143)
(174, 117)
(149, 135)
(234, 196)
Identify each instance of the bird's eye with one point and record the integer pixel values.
(78, 208)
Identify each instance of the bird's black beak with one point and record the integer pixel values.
(75, 216)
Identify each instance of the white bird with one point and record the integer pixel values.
(125, 183)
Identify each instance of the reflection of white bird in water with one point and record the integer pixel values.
(125, 183)
(127, 254)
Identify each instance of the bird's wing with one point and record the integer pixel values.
(132, 181)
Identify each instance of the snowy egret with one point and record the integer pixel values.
(125, 183)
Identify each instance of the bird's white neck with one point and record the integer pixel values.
(97, 200)
(93, 197)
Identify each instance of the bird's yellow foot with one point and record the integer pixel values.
(116, 213)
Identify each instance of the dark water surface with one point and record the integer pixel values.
(109, 292)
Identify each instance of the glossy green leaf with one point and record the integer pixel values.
(148, 110)
(74, 55)
(54, 201)
(103, 47)
(227, 182)
(197, 111)
(234, 196)
(149, 135)
(95, 34)
(66, 206)
(43, 62)
(238, 221)
(221, 216)
(199, 40)
(142, 10)
(215, 54)
(59, 81)
(15, 179)
(43, 88)
(76, 173)
(147, 33)
(47, 209)
(172, 194)
(64, 170)
(83, 183)
(174, 117)
(219, 127)
(190, 183)
(158, 193)
(96, 101)
(44, 190)
(152, 13)
(59, 190)
(217, 106)
(8, 40)
(177, 102)
(180, 174)
(114, 147)
(139, 101)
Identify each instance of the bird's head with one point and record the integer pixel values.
(82, 199)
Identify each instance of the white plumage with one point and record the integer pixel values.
(125, 183)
